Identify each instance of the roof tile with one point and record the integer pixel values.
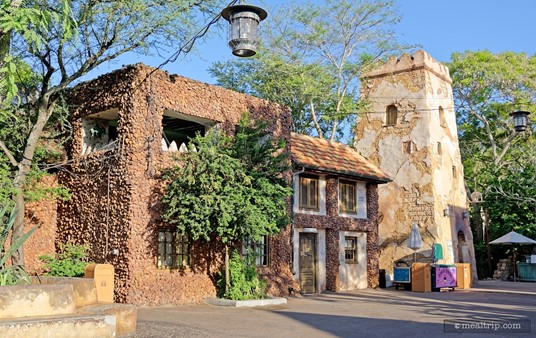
(323, 155)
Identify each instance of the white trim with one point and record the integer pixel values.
(320, 257)
(353, 275)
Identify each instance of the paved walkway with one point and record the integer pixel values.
(364, 313)
(506, 287)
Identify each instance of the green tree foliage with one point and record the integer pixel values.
(312, 56)
(228, 189)
(61, 41)
(71, 261)
(498, 162)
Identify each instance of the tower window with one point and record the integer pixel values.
(442, 120)
(391, 115)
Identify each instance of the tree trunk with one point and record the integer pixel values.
(227, 281)
(488, 249)
(24, 168)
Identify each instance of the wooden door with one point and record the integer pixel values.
(307, 263)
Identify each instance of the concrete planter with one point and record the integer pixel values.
(246, 303)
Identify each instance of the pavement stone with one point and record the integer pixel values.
(360, 313)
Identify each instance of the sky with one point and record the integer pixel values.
(439, 27)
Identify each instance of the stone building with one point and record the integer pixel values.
(409, 131)
(335, 216)
(126, 126)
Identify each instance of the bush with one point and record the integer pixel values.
(71, 261)
(11, 274)
(244, 283)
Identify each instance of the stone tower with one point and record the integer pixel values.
(410, 132)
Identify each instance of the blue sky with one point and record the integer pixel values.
(440, 27)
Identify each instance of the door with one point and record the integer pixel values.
(307, 263)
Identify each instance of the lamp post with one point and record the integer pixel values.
(244, 20)
(520, 120)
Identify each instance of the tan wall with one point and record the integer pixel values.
(425, 181)
(116, 194)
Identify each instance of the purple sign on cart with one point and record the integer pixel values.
(445, 276)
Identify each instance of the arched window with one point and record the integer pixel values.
(390, 115)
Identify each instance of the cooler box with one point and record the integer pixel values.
(402, 276)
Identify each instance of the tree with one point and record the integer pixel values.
(228, 189)
(498, 162)
(487, 88)
(312, 57)
(72, 38)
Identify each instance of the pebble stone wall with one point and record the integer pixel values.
(333, 224)
(115, 208)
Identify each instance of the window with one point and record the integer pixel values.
(259, 250)
(173, 249)
(352, 199)
(309, 192)
(350, 249)
(178, 129)
(99, 133)
(439, 150)
(409, 147)
(442, 120)
(347, 197)
(391, 115)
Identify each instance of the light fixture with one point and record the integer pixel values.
(244, 20)
(520, 120)
(446, 212)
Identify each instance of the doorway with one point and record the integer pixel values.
(307, 249)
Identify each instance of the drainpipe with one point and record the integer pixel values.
(294, 175)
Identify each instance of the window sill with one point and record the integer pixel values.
(356, 216)
(179, 269)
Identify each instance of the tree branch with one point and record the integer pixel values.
(8, 154)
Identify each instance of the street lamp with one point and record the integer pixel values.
(520, 120)
(244, 20)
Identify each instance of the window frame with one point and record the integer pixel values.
(391, 115)
(260, 250)
(306, 205)
(350, 250)
(344, 208)
(176, 253)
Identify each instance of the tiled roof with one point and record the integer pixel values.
(323, 155)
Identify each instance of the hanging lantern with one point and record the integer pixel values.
(244, 20)
(520, 120)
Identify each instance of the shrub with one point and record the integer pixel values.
(71, 261)
(11, 274)
(244, 283)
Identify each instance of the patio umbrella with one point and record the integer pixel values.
(513, 238)
(415, 240)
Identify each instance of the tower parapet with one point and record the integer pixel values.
(408, 63)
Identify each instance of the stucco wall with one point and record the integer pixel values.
(116, 193)
(420, 153)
